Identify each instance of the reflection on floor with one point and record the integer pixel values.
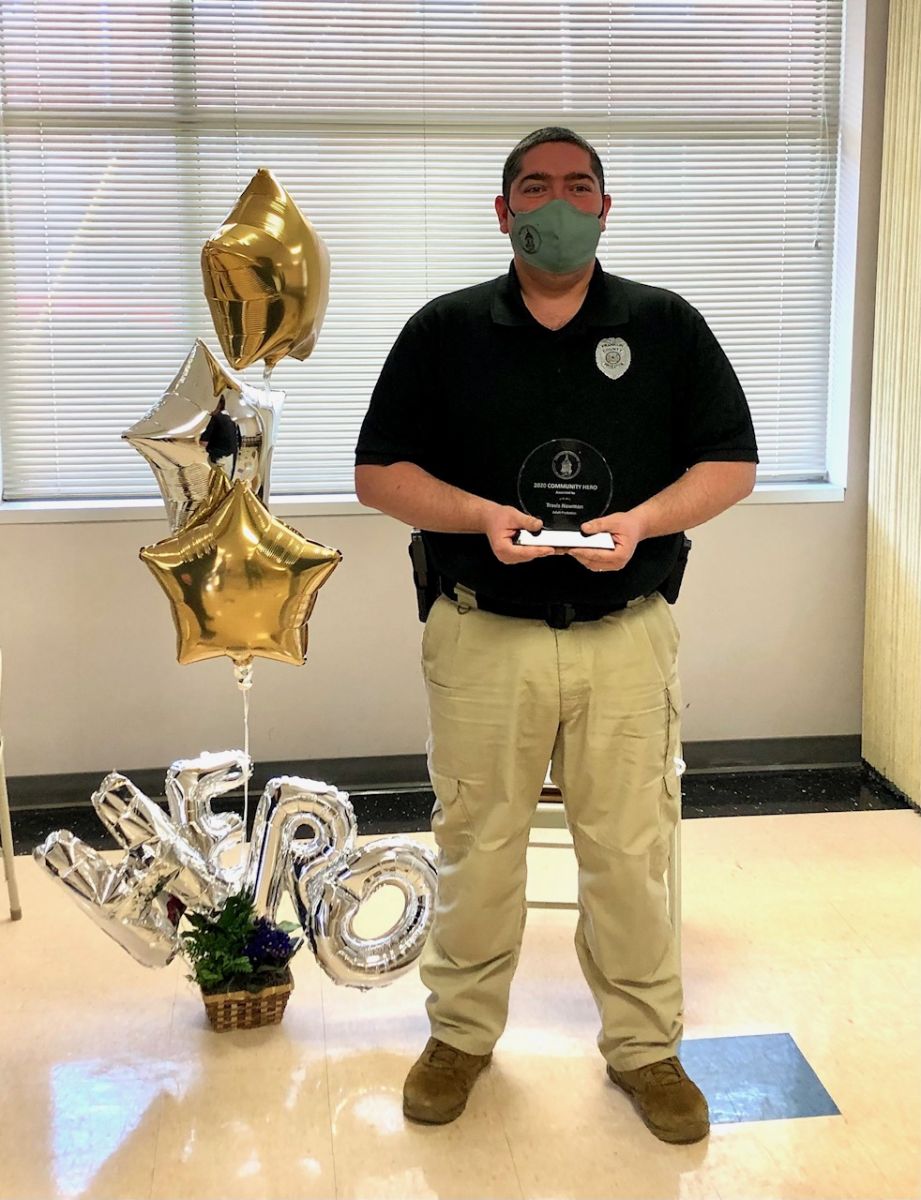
(801, 939)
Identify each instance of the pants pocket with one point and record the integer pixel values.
(440, 639)
(450, 823)
(673, 741)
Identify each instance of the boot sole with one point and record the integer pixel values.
(664, 1135)
(427, 1118)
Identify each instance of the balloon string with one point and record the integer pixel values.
(246, 752)
(243, 673)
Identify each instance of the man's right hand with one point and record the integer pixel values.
(501, 525)
(407, 492)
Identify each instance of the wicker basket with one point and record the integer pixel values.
(247, 1010)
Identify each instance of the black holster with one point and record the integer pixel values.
(425, 576)
(671, 585)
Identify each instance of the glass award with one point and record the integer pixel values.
(565, 483)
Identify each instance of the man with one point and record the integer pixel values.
(532, 652)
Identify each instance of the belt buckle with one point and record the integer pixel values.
(561, 616)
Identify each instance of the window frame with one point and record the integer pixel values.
(845, 321)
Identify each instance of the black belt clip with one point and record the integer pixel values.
(560, 616)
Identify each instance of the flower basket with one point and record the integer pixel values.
(247, 1010)
(240, 962)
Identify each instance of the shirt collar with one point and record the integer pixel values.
(605, 302)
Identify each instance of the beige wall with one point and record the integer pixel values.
(771, 613)
(771, 616)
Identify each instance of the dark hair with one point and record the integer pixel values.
(550, 133)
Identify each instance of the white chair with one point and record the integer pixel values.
(6, 833)
(550, 815)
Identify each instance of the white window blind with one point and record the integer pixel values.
(129, 129)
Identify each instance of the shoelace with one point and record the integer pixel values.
(443, 1056)
(666, 1072)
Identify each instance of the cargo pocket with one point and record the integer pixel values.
(673, 741)
(669, 808)
(450, 824)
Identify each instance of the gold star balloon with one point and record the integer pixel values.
(266, 276)
(240, 582)
(207, 418)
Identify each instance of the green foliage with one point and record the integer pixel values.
(220, 948)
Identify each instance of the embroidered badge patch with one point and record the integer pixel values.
(612, 356)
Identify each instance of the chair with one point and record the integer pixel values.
(550, 815)
(6, 833)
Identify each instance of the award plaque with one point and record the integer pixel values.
(565, 483)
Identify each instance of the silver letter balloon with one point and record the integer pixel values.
(303, 844)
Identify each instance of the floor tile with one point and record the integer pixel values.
(796, 927)
(229, 1132)
(755, 1077)
(82, 1127)
(372, 1040)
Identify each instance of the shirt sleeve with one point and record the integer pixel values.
(398, 424)
(715, 421)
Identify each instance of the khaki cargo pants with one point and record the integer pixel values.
(602, 699)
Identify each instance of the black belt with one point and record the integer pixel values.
(557, 616)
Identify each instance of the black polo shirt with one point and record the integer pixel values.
(474, 383)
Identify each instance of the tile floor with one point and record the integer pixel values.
(806, 927)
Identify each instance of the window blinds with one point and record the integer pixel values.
(129, 129)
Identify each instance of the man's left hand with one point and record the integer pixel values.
(626, 530)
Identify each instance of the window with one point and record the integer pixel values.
(129, 130)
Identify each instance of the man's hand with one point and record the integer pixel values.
(627, 532)
(501, 524)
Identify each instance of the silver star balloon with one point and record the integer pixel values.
(208, 417)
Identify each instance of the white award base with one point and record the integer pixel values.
(569, 538)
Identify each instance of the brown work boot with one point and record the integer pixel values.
(437, 1086)
(670, 1103)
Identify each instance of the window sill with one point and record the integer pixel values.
(68, 512)
(796, 493)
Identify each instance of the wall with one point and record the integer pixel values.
(772, 615)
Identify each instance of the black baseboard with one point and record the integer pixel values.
(773, 754)
(396, 810)
(396, 772)
(405, 772)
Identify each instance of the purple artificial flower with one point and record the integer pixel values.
(268, 945)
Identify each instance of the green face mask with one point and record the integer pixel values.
(556, 237)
